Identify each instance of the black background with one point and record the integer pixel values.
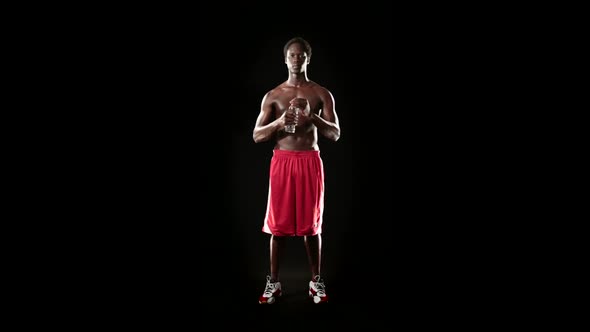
(242, 60)
(411, 201)
(418, 187)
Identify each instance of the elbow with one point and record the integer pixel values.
(257, 137)
(335, 135)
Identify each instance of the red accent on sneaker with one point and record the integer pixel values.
(320, 299)
(312, 291)
(269, 300)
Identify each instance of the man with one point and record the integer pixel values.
(296, 181)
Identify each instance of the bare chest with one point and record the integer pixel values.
(281, 102)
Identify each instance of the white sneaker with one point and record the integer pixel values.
(271, 292)
(317, 290)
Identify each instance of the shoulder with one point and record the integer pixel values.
(322, 91)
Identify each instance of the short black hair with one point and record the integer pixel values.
(300, 41)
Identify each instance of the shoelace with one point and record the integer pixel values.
(319, 285)
(269, 288)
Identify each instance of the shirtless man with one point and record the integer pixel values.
(296, 187)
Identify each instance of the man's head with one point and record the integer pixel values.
(297, 52)
(298, 40)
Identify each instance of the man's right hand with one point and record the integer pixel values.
(289, 116)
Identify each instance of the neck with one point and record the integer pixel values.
(297, 79)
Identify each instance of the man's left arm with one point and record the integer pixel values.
(327, 121)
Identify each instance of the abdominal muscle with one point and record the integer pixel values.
(303, 139)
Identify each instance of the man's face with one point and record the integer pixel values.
(296, 59)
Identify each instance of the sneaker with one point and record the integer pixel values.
(317, 290)
(271, 292)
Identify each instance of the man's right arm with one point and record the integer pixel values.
(265, 128)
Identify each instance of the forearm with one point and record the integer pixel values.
(264, 133)
(330, 130)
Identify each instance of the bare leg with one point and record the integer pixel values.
(313, 246)
(277, 243)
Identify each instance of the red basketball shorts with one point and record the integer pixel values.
(296, 194)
